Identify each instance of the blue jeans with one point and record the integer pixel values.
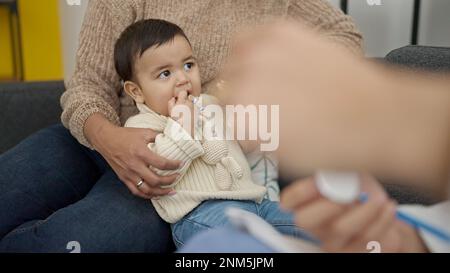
(211, 214)
(53, 191)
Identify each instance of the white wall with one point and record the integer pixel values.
(435, 27)
(71, 18)
(388, 26)
(384, 27)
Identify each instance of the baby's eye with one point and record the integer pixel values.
(188, 66)
(164, 75)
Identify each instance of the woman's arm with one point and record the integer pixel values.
(342, 112)
(329, 21)
(94, 85)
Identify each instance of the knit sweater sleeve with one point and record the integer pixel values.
(94, 86)
(330, 21)
(177, 144)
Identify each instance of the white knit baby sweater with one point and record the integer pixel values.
(214, 169)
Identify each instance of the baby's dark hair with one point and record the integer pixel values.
(139, 37)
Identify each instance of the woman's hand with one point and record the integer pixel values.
(350, 227)
(126, 151)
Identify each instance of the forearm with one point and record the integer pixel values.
(418, 130)
(386, 122)
(94, 127)
(94, 86)
(342, 112)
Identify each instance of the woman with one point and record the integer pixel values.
(79, 183)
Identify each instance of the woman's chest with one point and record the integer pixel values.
(210, 24)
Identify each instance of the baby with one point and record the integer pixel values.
(156, 63)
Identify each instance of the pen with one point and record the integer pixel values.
(415, 223)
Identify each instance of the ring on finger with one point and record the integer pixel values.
(140, 183)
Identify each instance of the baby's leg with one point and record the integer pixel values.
(209, 214)
(281, 220)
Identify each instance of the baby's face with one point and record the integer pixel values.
(163, 72)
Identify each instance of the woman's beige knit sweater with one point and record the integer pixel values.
(95, 86)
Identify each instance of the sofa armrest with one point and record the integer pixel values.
(425, 58)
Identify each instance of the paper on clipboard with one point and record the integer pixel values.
(264, 232)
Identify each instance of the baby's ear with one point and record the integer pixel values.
(134, 91)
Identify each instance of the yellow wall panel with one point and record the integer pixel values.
(41, 42)
(6, 62)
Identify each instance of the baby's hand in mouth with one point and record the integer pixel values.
(182, 99)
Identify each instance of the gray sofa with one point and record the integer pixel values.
(27, 107)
